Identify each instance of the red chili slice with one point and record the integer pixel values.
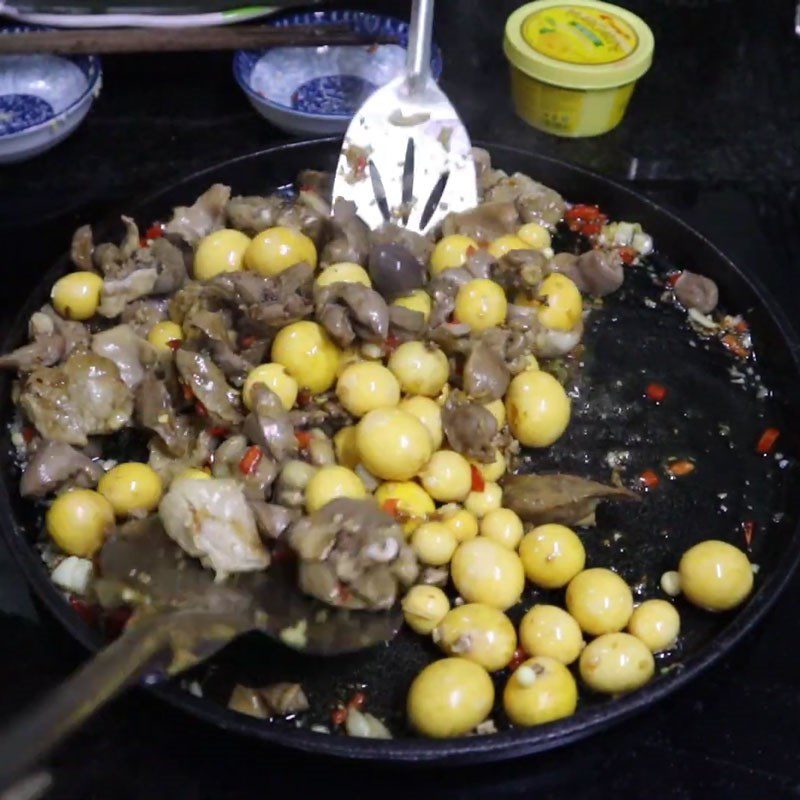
(628, 255)
(649, 479)
(391, 506)
(585, 219)
(766, 442)
(478, 481)
(733, 344)
(338, 716)
(581, 211)
(250, 460)
(155, 231)
(656, 392)
(303, 439)
(591, 228)
(174, 344)
(519, 658)
(748, 529)
(681, 468)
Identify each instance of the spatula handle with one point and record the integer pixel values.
(420, 34)
(136, 653)
(39, 729)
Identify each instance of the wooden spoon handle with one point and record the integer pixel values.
(146, 40)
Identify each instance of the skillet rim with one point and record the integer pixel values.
(494, 747)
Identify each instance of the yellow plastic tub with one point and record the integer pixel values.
(574, 65)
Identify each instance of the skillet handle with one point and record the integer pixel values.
(37, 731)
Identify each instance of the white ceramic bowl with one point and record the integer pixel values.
(43, 98)
(317, 90)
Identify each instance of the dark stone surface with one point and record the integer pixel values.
(712, 131)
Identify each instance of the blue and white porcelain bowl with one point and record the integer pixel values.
(43, 98)
(317, 90)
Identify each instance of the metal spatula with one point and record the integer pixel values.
(185, 618)
(406, 154)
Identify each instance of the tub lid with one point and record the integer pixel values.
(586, 44)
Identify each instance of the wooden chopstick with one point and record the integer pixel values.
(147, 40)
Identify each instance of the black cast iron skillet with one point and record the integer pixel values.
(713, 414)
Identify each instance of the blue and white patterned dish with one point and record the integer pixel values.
(43, 98)
(317, 90)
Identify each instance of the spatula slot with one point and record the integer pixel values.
(379, 190)
(433, 200)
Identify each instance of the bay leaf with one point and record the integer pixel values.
(565, 499)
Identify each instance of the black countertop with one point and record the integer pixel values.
(712, 131)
